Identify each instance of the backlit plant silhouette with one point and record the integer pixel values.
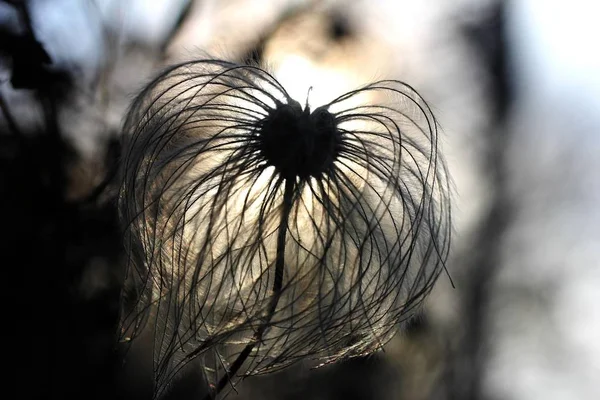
(261, 232)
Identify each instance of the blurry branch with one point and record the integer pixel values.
(184, 14)
(110, 44)
(487, 38)
(31, 68)
(485, 264)
(255, 53)
(29, 57)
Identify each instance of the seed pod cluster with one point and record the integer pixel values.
(261, 232)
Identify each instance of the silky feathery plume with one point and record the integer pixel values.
(261, 232)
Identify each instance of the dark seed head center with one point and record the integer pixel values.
(299, 143)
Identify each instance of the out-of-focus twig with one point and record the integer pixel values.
(484, 260)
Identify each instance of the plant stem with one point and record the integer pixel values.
(275, 292)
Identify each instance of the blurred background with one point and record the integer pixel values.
(515, 85)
